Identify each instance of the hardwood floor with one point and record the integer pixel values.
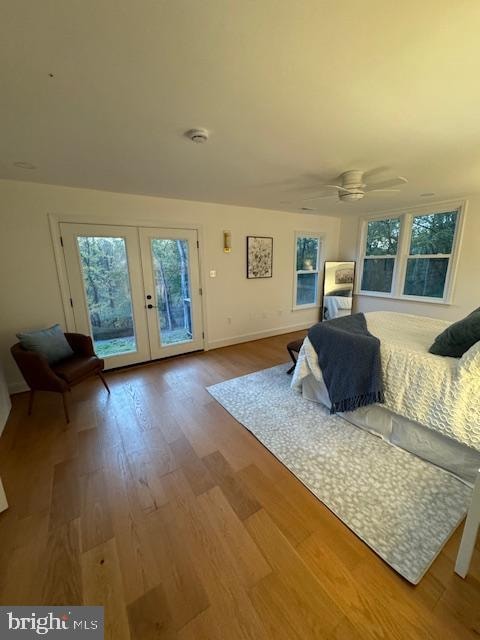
(157, 504)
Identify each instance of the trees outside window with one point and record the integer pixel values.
(104, 264)
(307, 255)
(409, 255)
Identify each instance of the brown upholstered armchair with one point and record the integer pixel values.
(61, 376)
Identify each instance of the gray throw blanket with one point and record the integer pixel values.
(349, 357)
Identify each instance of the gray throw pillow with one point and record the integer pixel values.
(50, 342)
(458, 337)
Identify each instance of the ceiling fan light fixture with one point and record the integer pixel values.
(352, 186)
(351, 196)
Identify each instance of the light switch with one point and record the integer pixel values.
(213, 273)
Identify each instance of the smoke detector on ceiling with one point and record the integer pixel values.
(199, 136)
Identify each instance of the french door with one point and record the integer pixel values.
(172, 290)
(136, 291)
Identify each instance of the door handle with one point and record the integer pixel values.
(151, 306)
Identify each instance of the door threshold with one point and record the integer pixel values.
(155, 361)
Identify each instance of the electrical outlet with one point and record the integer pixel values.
(213, 273)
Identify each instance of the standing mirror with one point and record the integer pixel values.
(338, 281)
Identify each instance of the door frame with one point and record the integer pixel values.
(157, 346)
(75, 271)
(54, 221)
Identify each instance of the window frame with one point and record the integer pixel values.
(406, 216)
(320, 237)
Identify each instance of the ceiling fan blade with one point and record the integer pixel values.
(382, 190)
(320, 196)
(393, 182)
(374, 172)
(337, 186)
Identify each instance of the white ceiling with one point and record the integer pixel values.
(293, 92)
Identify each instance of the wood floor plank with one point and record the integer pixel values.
(300, 592)
(279, 613)
(21, 584)
(62, 579)
(146, 477)
(214, 560)
(358, 602)
(239, 447)
(65, 503)
(90, 454)
(412, 618)
(249, 563)
(32, 488)
(83, 414)
(194, 469)
(149, 617)
(291, 520)
(208, 624)
(102, 585)
(192, 419)
(136, 559)
(185, 594)
(235, 490)
(95, 518)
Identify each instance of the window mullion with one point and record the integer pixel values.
(402, 254)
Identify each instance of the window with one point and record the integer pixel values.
(410, 256)
(380, 254)
(431, 246)
(307, 250)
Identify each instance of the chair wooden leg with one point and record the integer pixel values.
(65, 407)
(30, 401)
(102, 378)
(294, 360)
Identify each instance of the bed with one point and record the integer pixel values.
(432, 403)
(336, 306)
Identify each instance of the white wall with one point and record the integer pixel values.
(30, 290)
(466, 294)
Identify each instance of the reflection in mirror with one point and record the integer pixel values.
(338, 284)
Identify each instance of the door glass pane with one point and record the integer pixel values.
(307, 288)
(107, 286)
(172, 283)
(307, 253)
(433, 233)
(377, 274)
(382, 237)
(426, 277)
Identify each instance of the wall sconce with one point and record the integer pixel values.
(227, 241)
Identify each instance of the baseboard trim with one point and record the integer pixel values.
(17, 387)
(257, 335)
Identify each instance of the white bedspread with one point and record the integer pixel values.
(337, 306)
(440, 393)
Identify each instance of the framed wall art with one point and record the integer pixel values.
(259, 257)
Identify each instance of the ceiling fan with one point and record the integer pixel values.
(353, 185)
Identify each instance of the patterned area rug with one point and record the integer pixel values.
(405, 509)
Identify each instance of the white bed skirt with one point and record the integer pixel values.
(426, 443)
